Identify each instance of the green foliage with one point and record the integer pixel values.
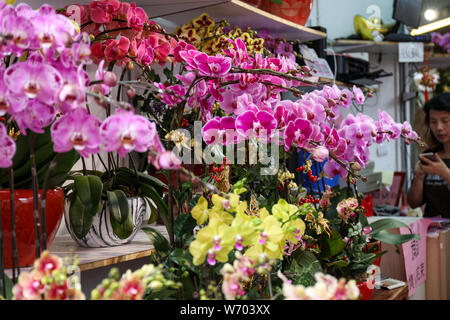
(44, 154)
(333, 245)
(303, 267)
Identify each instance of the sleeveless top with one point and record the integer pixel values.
(436, 195)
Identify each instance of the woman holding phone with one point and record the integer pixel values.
(431, 183)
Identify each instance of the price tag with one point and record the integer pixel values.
(410, 51)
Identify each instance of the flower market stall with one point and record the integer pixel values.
(180, 141)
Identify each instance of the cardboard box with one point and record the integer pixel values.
(438, 265)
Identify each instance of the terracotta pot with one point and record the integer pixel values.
(297, 11)
(25, 235)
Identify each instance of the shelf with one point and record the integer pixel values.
(92, 258)
(240, 14)
(369, 46)
(171, 13)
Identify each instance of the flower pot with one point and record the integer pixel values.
(101, 233)
(198, 169)
(297, 11)
(366, 282)
(24, 222)
(366, 289)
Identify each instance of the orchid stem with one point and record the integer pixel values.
(15, 254)
(35, 185)
(2, 255)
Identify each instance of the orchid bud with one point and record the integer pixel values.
(319, 154)
(110, 79)
(131, 93)
(130, 65)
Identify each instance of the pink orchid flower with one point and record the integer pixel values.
(298, 132)
(36, 116)
(7, 148)
(358, 95)
(124, 131)
(259, 124)
(103, 11)
(168, 160)
(77, 130)
(33, 78)
(386, 128)
(220, 130)
(117, 49)
(214, 66)
(332, 169)
(136, 17)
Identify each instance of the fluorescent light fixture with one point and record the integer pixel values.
(430, 14)
(431, 27)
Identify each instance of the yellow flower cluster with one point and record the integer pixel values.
(208, 36)
(230, 227)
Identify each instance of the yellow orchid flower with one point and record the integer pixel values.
(200, 211)
(270, 240)
(221, 203)
(294, 230)
(243, 232)
(211, 243)
(283, 210)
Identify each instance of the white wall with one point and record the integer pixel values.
(337, 15)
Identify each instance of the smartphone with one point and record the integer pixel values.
(428, 155)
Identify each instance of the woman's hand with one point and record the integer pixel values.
(419, 173)
(436, 166)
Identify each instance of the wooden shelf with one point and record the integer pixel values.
(92, 258)
(369, 46)
(394, 294)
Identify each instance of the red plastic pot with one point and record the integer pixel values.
(297, 11)
(366, 289)
(25, 235)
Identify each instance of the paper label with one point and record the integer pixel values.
(415, 254)
(410, 51)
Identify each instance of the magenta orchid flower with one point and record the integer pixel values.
(237, 104)
(220, 130)
(332, 169)
(172, 95)
(298, 132)
(124, 131)
(7, 148)
(20, 31)
(259, 124)
(214, 66)
(408, 133)
(77, 130)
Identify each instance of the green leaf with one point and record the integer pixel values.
(160, 242)
(89, 190)
(120, 215)
(183, 258)
(385, 224)
(184, 223)
(363, 219)
(386, 237)
(277, 1)
(332, 246)
(64, 164)
(118, 206)
(338, 264)
(150, 192)
(80, 219)
(8, 288)
(153, 210)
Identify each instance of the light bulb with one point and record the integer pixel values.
(430, 14)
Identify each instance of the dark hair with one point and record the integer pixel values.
(440, 102)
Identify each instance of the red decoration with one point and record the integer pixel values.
(297, 11)
(24, 222)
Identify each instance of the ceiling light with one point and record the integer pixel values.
(431, 27)
(430, 14)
